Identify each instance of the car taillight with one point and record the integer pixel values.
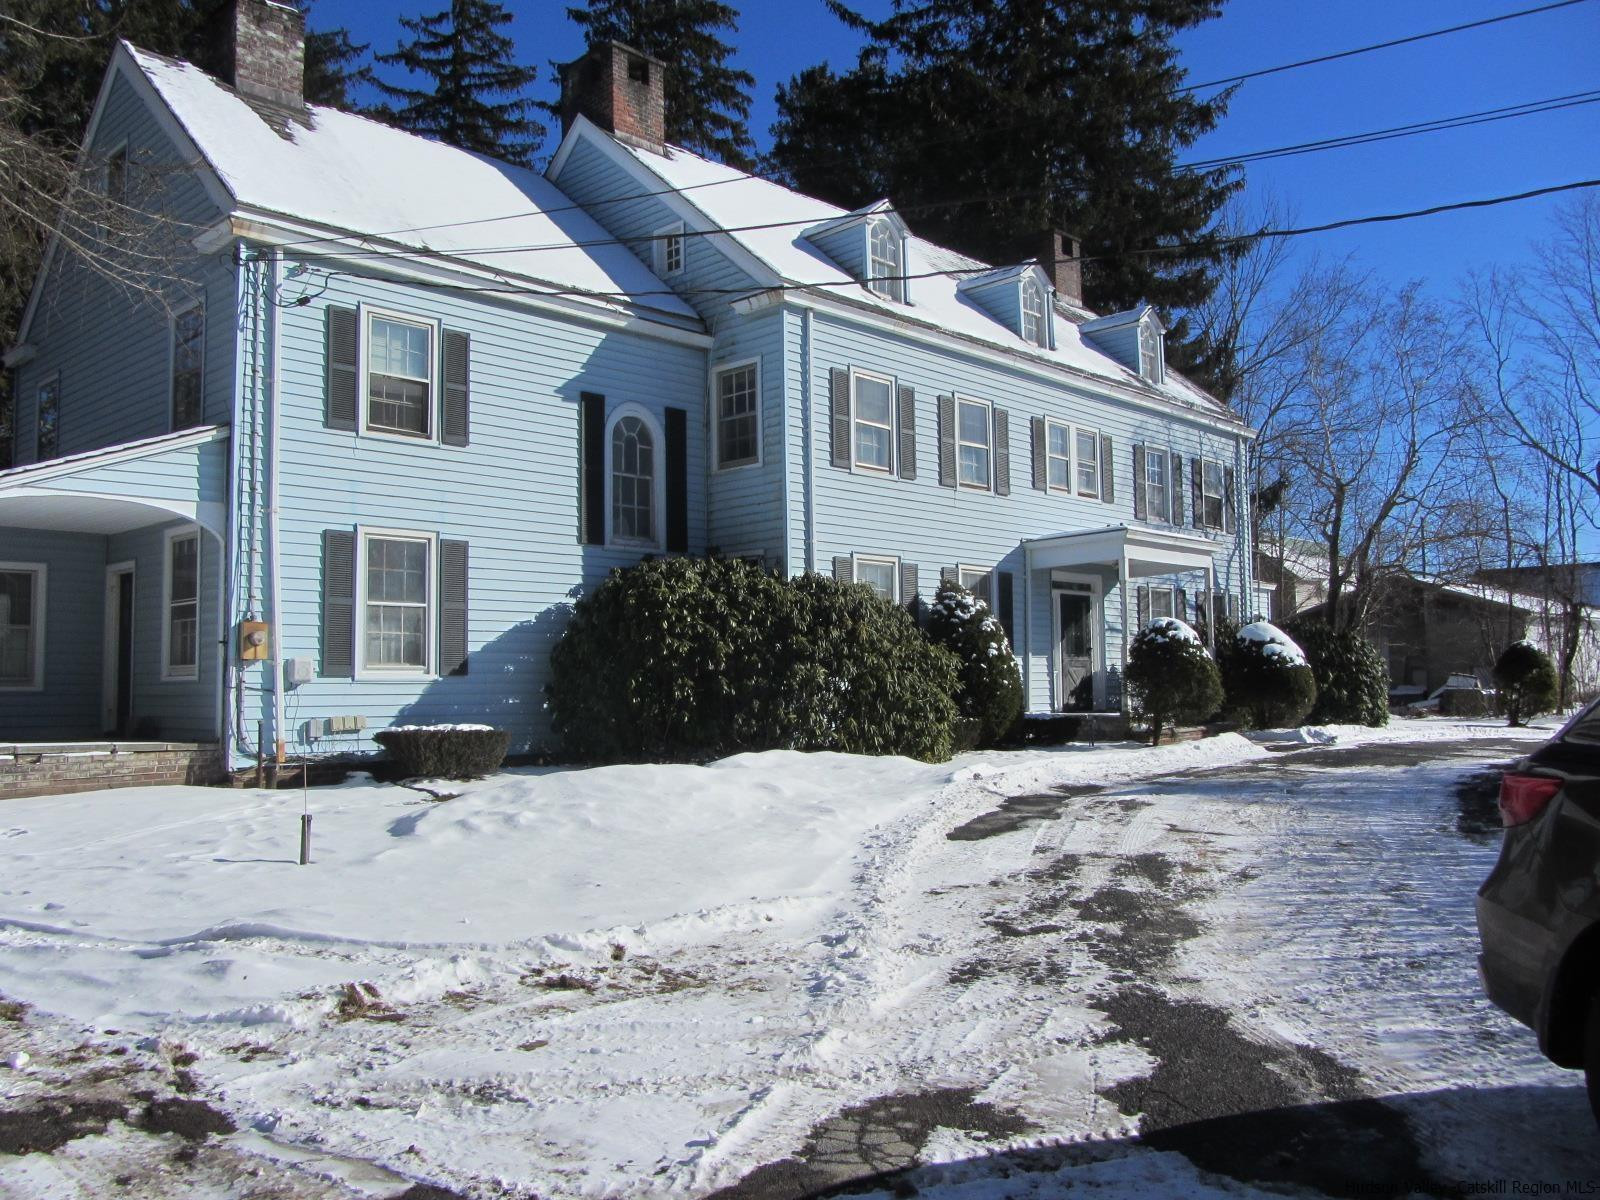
(1523, 797)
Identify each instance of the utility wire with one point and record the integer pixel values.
(741, 177)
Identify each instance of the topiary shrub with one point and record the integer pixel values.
(685, 660)
(1526, 680)
(1464, 702)
(1352, 678)
(1170, 676)
(444, 751)
(991, 682)
(1267, 678)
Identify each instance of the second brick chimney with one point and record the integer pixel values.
(1058, 254)
(261, 51)
(620, 89)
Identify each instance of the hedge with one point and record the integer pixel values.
(444, 751)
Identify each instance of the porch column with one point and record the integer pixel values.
(1027, 628)
(1122, 587)
(1211, 607)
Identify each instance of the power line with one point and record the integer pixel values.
(1405, 41)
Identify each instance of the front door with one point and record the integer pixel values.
(1076, 650)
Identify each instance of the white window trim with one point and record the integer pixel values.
(1165, 517)
(716, 414)
(1046, 331)
(430, 622)
(1155, 369)
(1072, 457)
(41, 586)
(984, 572)
(1099, 464)
(172, 363)
(888, 560)
(659, 245)
(988, 424)
(1172, 600)
(51, 380)
(894, 283)
(894, 422)
(364, 315)
(169, 673)
(1222, 496)
(658, 489)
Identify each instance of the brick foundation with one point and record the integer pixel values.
(47, 769)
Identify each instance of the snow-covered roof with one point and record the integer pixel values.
(732, 200)
(355, 175)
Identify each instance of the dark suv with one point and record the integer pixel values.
(1539, 910)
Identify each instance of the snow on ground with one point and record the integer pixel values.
(579, 982)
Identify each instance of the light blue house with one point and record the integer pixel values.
(397, 404)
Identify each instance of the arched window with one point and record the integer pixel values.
(1034, 328)
(1151, 364)
(635, 472)
(884, 267)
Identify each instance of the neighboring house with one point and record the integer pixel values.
(1563, 601)
(1291, 576)
(410, 402)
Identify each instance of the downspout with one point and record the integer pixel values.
(228, 571)
(1027, 627)
(807, 452)
(1246, 548)
(274, 592)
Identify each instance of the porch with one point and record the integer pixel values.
(111, 607)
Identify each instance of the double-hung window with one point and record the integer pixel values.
(738, 415)
(1163, 603)
(181, 632)
(188, 366)
(882, 575)
(1035, 328)
(1156, 484)
(1058, 455)
(973, 446)
(1088, 462)
(399, 376)
(976, 581)
(669, 250)
(1213, 486)
(21, 625)
(872, 422)
(885, 268)
(47, 420)
(397, 603)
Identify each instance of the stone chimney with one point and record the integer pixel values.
(620, 89)
(261, 51)
(1058, 253)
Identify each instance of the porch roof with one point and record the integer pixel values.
(1146, 551)
(176, 476)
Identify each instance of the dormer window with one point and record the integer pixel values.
(1035, 328)
(1152, 359)
(885, 266)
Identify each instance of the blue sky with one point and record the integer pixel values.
(1533, 58)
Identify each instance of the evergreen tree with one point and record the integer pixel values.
(708, 101)
(477, 99)
(1014, 118)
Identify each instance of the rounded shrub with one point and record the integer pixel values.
(1352, 678)
(1526, 680)
(1267, 678)
(691, 659)
(1171, 677)
(444, 751)
(991, 682)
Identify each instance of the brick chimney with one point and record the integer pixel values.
(1058, 253)
(620, 89)
(261, 51)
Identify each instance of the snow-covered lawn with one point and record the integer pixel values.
(597, 982)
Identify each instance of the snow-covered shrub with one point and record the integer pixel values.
(1352, 678)
(692, 659)
(1526, 680)
(444, 751)
(1171, 677)
(1267, 678)
(991, 682)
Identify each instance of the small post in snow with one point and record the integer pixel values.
(305, 811)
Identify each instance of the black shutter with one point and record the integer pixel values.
(1197, 492)
(1175, 473)
(452, 608)
(1227, 500)
(338, 602)
(454, 426)
(1140, 503)
(843, 569)
(592, 435)
(1002, 452)
(1142, 607)
(677, 480)
(1004, 584)
(1182, 605)
(947, 441)
(908, 586)
(1108, 488)
(1041, 465)
(839, 400)
(907, 398)
(341, 389)
(949, 575)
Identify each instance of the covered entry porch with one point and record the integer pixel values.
(111, 611)
(1086, 591)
